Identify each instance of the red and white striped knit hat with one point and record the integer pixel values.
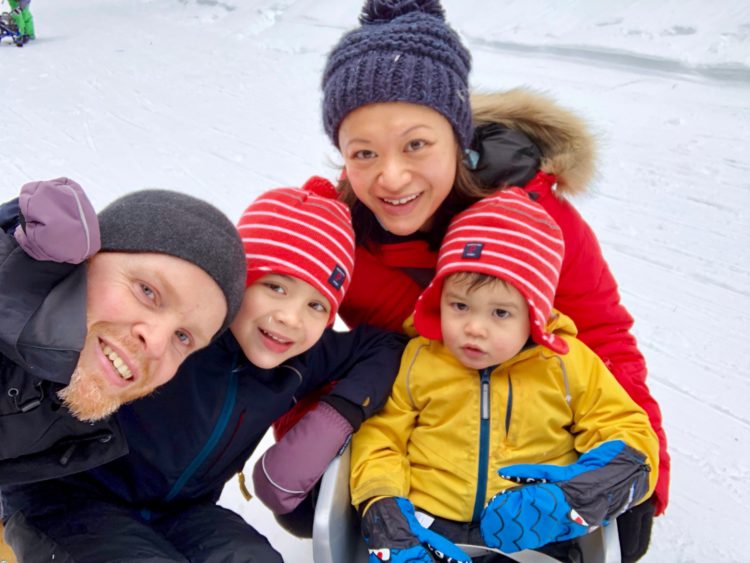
(507, 236)
(302, 232)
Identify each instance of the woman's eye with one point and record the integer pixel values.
(318, 307)
(363, 155)
(501, 313)
(415, 145)
(184, 338)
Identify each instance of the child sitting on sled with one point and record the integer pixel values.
(502, 429)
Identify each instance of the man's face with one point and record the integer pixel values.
(280, 317)
(145, 314)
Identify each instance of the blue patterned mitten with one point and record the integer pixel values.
(560, 503)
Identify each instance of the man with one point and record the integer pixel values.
(77, 340)
(159, 503)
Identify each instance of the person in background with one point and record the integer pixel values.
(498, 380)
(24, 21)
(159, 503)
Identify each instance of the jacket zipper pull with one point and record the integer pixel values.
(243, 487)
(485, 395)
(67, 455)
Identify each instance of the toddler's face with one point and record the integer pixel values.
(280, 317)
(483, 326)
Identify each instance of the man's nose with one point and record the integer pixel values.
(154, 336)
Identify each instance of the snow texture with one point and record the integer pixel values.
(220, 99)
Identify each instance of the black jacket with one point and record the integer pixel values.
(42, 330)
(197, 431)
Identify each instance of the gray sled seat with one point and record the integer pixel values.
(336, 537)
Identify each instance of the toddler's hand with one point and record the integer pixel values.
(393, 533)
(557, 503)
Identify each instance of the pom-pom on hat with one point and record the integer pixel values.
(506, 236)
(302, 232)
(404, 51)
(179, 225)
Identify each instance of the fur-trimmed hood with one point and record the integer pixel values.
(564, 139)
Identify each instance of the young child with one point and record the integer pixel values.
(160, 501)
(498, 381)
(24, 21)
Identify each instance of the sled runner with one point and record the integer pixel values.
(336, 536)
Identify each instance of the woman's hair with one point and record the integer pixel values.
(467, 189)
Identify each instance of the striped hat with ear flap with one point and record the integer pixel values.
(302, 232)
(506, 236)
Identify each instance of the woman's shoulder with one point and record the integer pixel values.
(567, 146)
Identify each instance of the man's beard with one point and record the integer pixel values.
(88, 396)
(84, 398)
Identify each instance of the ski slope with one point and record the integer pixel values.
(220, 99)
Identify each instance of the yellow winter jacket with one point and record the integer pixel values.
(438, 443)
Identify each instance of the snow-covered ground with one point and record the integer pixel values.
(220, 99)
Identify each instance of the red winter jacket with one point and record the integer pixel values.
(382, 293)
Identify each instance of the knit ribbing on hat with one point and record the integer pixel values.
(304, 233)
(403, 52)
(183, 226)
(506, 236)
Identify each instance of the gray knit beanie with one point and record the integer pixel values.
(180, 225)
(403, 52)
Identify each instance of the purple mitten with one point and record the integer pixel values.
(60, 224)
(289, 469)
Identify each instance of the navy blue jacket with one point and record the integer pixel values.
(197, 431)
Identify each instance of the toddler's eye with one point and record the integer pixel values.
(501, 313)
(458, 306)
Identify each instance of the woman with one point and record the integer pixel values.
(396, 104)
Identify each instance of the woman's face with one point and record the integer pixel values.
(400, 159)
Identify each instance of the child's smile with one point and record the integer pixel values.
(275, 342)
(280, 317)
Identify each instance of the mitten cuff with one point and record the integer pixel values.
(351, 412)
